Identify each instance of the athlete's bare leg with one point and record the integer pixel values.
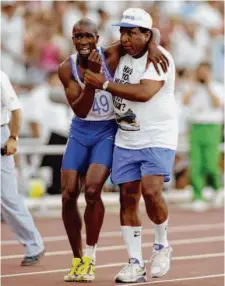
(130, 194)
(94, 213)
(70, 212)
(156, 206)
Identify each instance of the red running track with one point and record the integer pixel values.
(197, 240)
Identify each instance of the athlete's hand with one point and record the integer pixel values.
(94, 79)
(11, 146)
(157, 57)
(94, 61)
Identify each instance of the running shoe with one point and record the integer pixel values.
(160, 260)
(133, 272)
(71, 275)
(86, 270)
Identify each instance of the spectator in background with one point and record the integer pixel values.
(76, 10)
(104, 29)
(12, 44)
(205, 101)
(218, 55)
(13, 208)
(189, 43)
(41, 113)
(48, 121)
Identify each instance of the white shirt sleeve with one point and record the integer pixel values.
(152, 74)
(8, 93)
(218, 90)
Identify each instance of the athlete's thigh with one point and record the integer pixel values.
(76, 157)
(96, 177)
(102, 153)
(70, 183)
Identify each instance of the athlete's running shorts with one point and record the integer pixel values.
(89, 142)
(131, 165)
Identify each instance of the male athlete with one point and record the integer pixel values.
(146, 141)
(90, 145)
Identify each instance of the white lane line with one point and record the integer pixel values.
(172, 229)
(200, 256)
(121, 247)
(174, 280)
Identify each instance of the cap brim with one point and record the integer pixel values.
(125, 25)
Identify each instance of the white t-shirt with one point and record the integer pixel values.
(9, 100)
(146, 124)
(201, 109)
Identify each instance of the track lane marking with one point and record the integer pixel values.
(172, 229)
(174, 280)
(121, 247)
(178, 258)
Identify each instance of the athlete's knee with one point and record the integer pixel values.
(70, 187)
(92, 194)
(68, 192)
(129, 196)
(152, 192)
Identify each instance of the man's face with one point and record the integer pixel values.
(84, 39)
(133, 41)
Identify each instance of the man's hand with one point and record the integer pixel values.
(11, 146)
(157, 57)
(94, 61)
(94, 79)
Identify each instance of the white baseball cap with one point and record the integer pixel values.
(135, 17)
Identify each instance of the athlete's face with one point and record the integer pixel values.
(84, 39)
(133, 41)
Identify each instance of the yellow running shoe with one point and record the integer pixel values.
(71, 276)
(86, 270)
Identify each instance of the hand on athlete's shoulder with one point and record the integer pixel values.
(156, 56)
(94, 61)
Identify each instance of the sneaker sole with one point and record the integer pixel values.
(69, 280)
(138, 280)
(160, 275)
(85, 279)
(34, 262)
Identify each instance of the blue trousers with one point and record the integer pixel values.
(13, 208)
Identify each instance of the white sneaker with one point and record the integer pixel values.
(199, 206)
(218, 199)
(132, 273)
(160, 260)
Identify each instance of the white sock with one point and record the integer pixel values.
(132, 239)
(160, 231)
(90, 251)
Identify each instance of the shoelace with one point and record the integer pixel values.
(83, 268)
(158, 252)
(72, 270)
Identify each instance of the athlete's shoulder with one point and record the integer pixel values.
(64, 71)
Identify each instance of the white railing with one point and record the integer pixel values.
(36, 147)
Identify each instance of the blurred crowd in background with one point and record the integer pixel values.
(36, 38)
